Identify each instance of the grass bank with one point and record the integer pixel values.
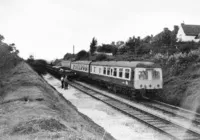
(32, 109)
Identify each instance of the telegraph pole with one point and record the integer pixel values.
(73, 50)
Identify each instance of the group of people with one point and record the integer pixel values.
(64, 82)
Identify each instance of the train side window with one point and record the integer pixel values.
(111, 71)
(108, 71)
(115, 72)
(94, 69)
(104, 70)
(127, 73)
(120, 72)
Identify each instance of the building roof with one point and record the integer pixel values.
(191, 30)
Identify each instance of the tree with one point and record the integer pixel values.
(106, 48)
(133, 43)
(174, 35)
(93, 46)
(68, 56)
(82, 55)
(30, 60)
(13, 48)
(1, 38)
(166, 37)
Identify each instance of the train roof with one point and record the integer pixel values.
(81, 62)
(124, 63)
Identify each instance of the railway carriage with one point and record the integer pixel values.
(135, 77)
(66, 64)
(81, 68)
(132, 77)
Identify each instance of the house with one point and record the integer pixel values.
(188, 33)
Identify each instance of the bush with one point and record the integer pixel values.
(8, 57)
(38, 65)
(186, 48)
(82, 55)
(177, 63)
(101, 57)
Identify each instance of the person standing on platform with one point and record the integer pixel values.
(62, 81)
(66, 82)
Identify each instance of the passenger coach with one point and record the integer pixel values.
(81, 67)
(137, 76)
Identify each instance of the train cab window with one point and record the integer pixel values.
(115, 72)
(104, 70)
(155, 74)
(108, 71)
(143, 75)
(120, 72)
(127, 73)
(94, 68)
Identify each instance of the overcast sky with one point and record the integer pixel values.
(48, 29)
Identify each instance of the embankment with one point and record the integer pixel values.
(31, 109)
(181, 80)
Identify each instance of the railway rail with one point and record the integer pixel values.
(163, 125)
(148, 113)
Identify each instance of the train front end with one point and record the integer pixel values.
(148, 80)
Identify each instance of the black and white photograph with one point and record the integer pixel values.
(99, 70)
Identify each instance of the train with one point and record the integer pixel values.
(135, 78)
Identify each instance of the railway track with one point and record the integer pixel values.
(158, 122)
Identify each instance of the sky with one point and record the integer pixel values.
(48, 29)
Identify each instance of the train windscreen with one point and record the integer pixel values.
(149, 74)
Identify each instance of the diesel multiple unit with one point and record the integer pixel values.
(136, 77)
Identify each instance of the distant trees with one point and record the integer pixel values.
(1, 38)
(133, 43)
(136, 48)
(68, 56)
(82, 55)
(39, 65)
(108, 48)
(93, 46)
(174, 35)
(30, 59)
(166, 37)
(8, 56)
